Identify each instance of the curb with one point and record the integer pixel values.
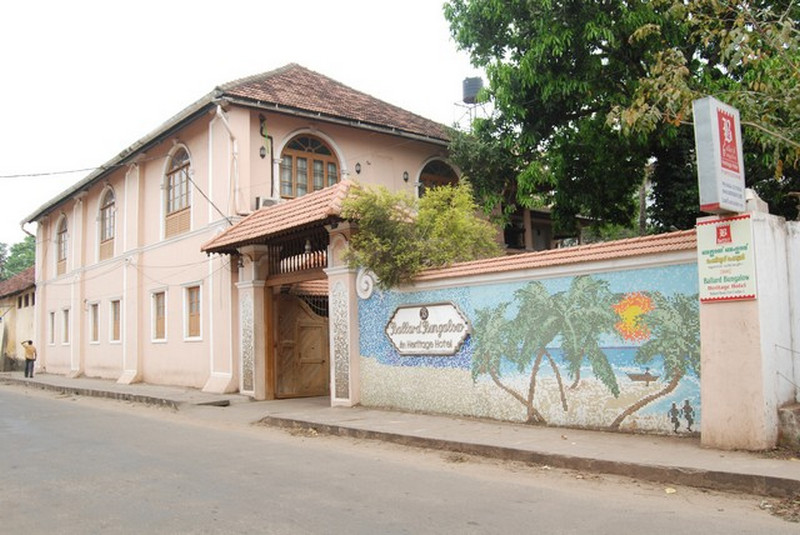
(761, 485)
(77, 391)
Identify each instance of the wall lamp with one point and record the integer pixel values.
(405, 176)
(358, 168)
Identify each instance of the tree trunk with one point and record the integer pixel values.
(560, 384)
(577, 380)
(643, 202)
(534, 416)
(672, 385)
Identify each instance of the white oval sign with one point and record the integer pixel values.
(433, 329)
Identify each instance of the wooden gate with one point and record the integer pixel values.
(301, 360)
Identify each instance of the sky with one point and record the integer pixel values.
(82, 80)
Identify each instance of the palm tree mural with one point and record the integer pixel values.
(585, 314)
(673, 326)
(521, 341)
(580, 315)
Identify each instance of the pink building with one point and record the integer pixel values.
(124, 290)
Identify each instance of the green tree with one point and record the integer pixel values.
(399, 236)
(490, 168)
(20, 257)
(675, 326)
(589, 95)
(3, 259)
(585, 314)
(746, 53)
(555, 71)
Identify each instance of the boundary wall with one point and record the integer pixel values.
(603, 336)
(606, 336)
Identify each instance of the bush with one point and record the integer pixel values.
(399, 236)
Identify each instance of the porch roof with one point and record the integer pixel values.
(312, 210)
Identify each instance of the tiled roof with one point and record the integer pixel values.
(685, 240)
(294, 86)
(313, 288)
(19, 282)
(271, 221)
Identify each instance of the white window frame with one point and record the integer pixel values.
(186, 288)
(61, 244)
(111, 339)
(94, 321)
(153, 294)
(100, 223)
(165, 191)
(51, 335)
(66, 326)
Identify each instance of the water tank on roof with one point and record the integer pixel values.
(471, 87)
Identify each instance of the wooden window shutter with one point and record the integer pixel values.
(107, 249)
(177, 223)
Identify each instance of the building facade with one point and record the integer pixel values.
(123, 289)
(17, 305)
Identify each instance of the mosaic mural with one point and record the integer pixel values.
(616, 350)
(247, 343)
(341, 345)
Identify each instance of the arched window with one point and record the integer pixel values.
(436, 173)
(107, 224)
(307, 164)
(178, 217)
(61, 247)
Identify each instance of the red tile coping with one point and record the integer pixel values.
(273, 220)
(684, 240)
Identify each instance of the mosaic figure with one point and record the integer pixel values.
(674, 417)
(688, 413)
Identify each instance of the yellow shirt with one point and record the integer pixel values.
(30, 352)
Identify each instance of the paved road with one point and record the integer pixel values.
(77, 465)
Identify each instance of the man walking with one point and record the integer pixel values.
(30, 357)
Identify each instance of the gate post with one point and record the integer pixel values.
(746, 349)
(343, 313)
(254, 322)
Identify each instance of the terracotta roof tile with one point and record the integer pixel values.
(19, 282)
(296, 87)
(267, 222)
(675, 241)
(313, 288)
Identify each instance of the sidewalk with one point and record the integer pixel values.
(662, 459)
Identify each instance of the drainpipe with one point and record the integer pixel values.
(22, 227)
(236, 192)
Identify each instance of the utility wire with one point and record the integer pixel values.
(84, 170)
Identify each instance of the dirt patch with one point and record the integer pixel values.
(302, 431)
(787, 509)
(782, 453)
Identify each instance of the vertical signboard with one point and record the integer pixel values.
(720, 164)
(725, 259)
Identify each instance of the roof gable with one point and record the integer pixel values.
(296, 87)
(18, 283)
